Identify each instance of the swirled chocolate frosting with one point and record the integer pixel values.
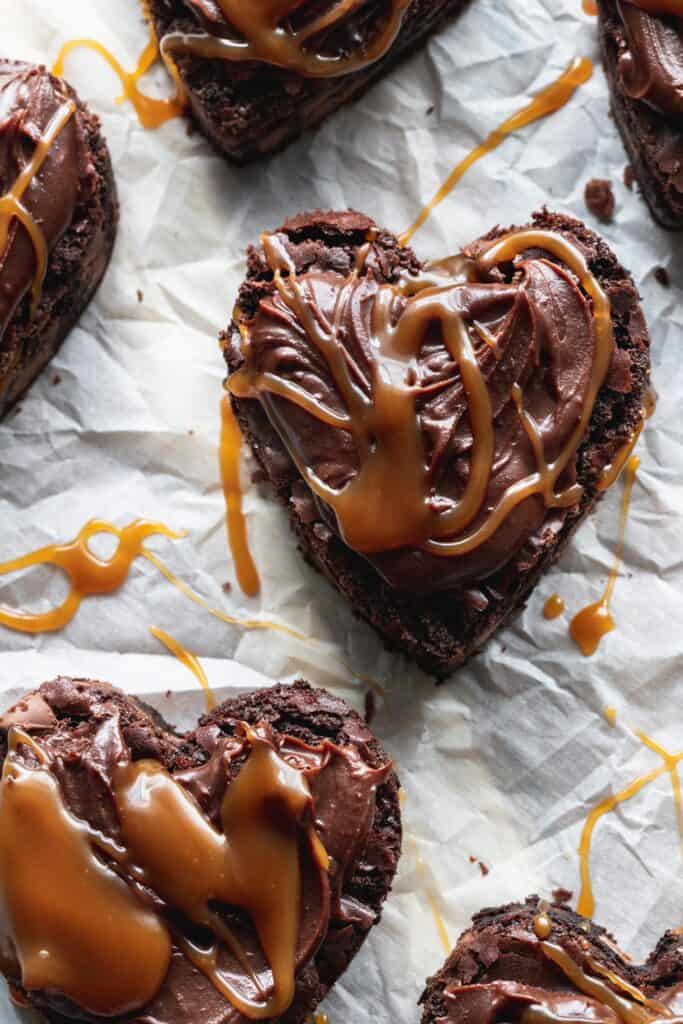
(173, 896)
(30, 101)
(651, 60)
(436, 423)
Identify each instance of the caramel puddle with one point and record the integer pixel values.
(553, 607)
(593, 622)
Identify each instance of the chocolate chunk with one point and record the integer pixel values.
(600, 199)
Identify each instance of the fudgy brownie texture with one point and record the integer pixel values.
(248, 110)
(440, 630)
(501, 947)
(651, 126)
(66, 712)
(79, 255)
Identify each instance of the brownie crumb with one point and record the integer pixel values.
(562, 895)
(599, 199)
(227, 587)
(370, 707)
(56, 379)
(430, 110)
(482, 867)
(662, 276)
(629, 177)
(141, 297)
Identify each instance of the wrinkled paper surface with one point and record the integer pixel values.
(503, 763)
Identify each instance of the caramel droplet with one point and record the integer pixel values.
(590, 8)
(553, 607)
(543, 926)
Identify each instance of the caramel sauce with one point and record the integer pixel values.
(264, 33)
(543, 926)
(231, 440)
(588, 626)
(71, 918)
(151, 112)
(546, 102)
(12, 207)
(388, 504)
(590, 8)
(88, 574)
(189, 660)
(430, 895)
(553, 607)
(613, 471)
(58, 893)
(670, 765)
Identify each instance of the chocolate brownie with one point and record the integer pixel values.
(83, 734)
(642, 48)
(436, 609)
(55, 253)
(249, 108)
(514, 960)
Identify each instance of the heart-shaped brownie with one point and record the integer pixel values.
(257, 75)
(58, 216)
(437, 430)
(223, 876)
(537, 962)
(642, 48)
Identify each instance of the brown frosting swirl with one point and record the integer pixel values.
(531, 338)
(30, 99)
(651, 61)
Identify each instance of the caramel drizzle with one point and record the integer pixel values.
(12, 206)
(151, 112)
(670, 765)
(229, 458)
(264, 35)
(387, 504)
(431, 896)
(588, 626)
(613, 471)
(88, 574)
(189, 660)
(546, 102)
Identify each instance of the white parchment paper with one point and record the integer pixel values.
(504, 762)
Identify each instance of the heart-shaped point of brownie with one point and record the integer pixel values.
(437, 429)
(537, 961)
(229, 874)
(642, 48)
(58, 218)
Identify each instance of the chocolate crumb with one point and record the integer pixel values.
(227, 587)
(482, 867)
(56, 379)
(370, 707)
(662, 275)
(599, 199)
(430, 110)
(141, 297)
(629, 177)
(562, 895)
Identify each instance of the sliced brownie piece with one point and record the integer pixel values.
(55, 164)
(249, 108)
(642, 48)
(536, 956)
(437, 610)
(83, 734)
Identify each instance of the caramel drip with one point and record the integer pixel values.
(263, 33)
(151, 112)
(189, 660)
(670, 765)
(88, 574)
(387, 505)
(588, 626)
(254, 864)
(553, 607)
(546, 102)
(543, 926)
(12, 208)
(76, 927)
(231, 440)
(613, 471)
(590, 8)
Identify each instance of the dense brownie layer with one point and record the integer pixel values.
(80, 254)
(498, 968)
(250, 110)
(441, 630)
(65, 713)
(651, 127)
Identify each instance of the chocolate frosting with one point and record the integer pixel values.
(651, 60)
(84, 761)
(29, 99)
(535, 331)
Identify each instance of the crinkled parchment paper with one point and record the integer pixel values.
(504, 762)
